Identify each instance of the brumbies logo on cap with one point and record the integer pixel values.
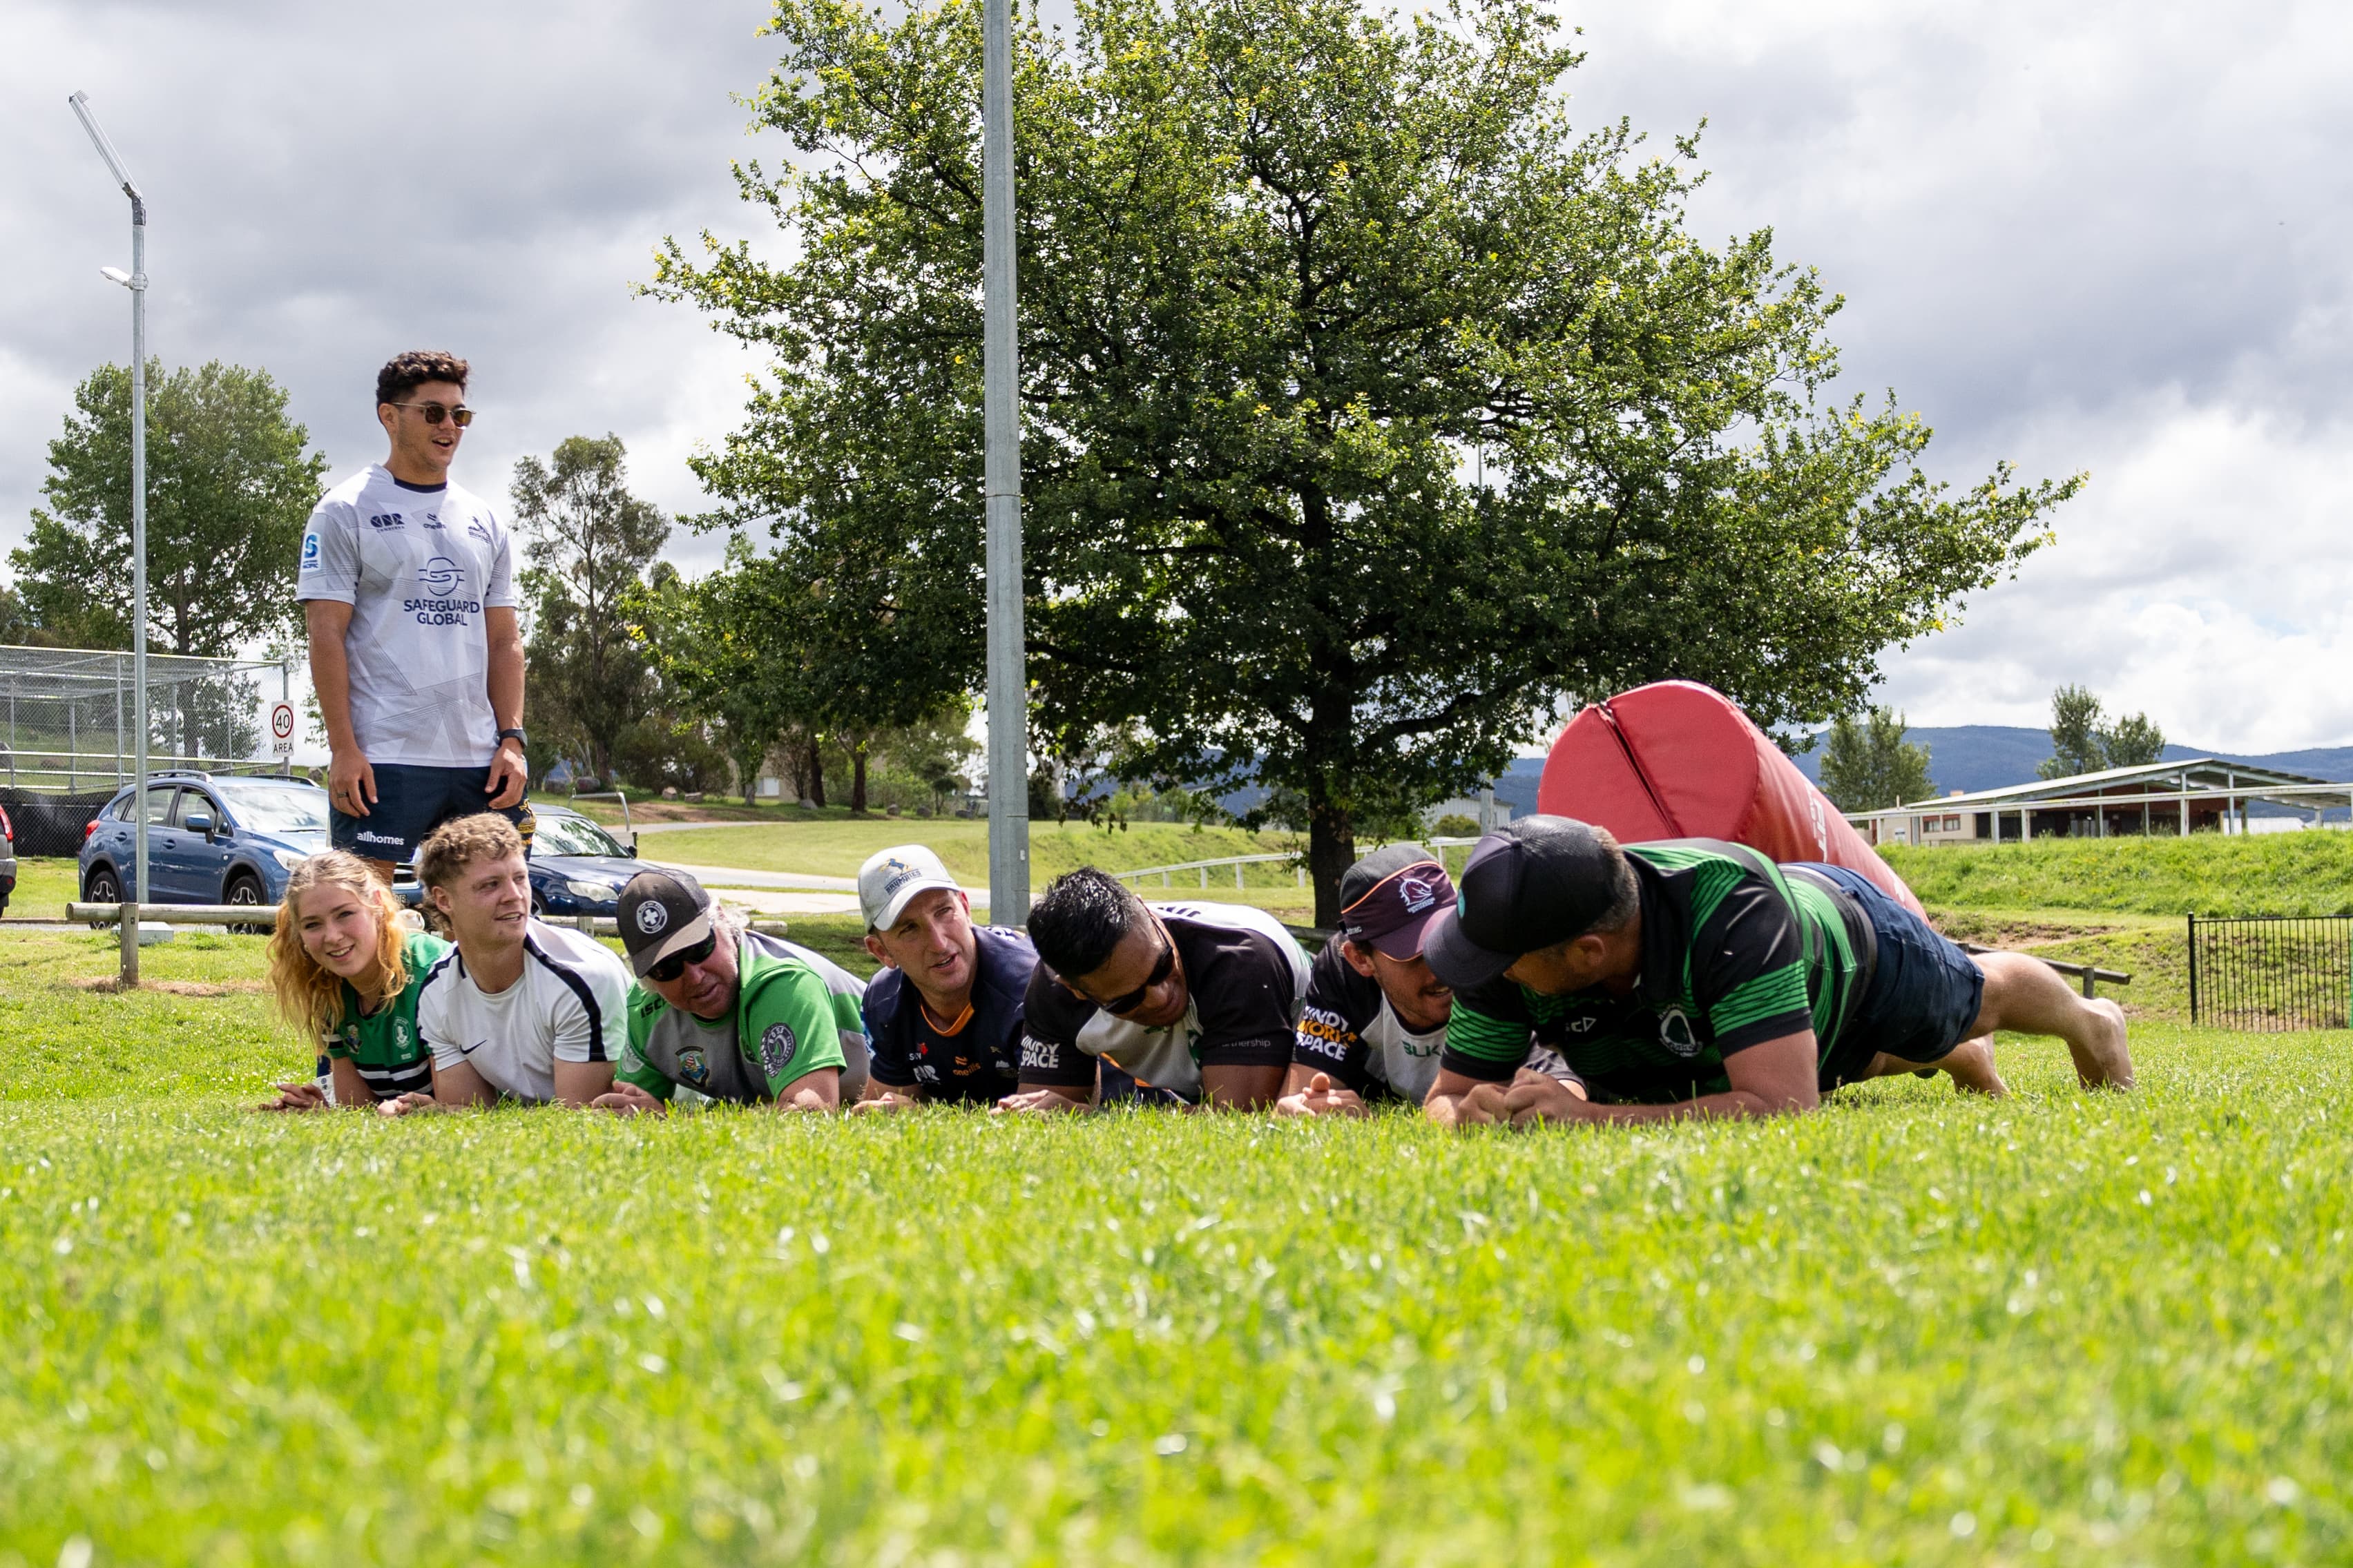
(652, 917)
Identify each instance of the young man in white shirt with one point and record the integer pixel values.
(407, 584)
(519, 1008)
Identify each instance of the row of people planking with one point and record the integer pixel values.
(1568, 978)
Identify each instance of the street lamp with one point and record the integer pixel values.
(1008, 685)
(136, 281)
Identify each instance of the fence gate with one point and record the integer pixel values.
(2263, 972)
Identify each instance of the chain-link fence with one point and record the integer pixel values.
(70, 716)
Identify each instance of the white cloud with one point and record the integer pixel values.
(2110, 236)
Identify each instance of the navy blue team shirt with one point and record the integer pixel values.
(982, 1060)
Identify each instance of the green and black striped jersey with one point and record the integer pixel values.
(1734, 954)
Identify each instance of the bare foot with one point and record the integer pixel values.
(2103, 1059)
(1970, 1063)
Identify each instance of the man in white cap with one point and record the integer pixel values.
(729, 1013)
(944, 1014)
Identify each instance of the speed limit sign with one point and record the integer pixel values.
(281, 728)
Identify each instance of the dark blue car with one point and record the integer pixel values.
(577, 868)
(211, 839)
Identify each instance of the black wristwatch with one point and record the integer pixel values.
(517, 736)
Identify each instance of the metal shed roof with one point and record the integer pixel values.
(2200, 776)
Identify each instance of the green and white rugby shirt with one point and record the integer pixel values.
(1734, 954)
(392, 1058)
(796, 1011)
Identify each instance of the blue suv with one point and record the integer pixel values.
(210, 839)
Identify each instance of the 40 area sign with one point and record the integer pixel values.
(281, 728)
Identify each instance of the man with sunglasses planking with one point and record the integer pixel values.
(729, 1013)
(407, 585)
(1198, 1001)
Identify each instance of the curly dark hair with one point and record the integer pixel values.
(1081, 918)
(404, 372)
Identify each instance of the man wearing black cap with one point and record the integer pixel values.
(728, 1014)
(1696, 978)
(1376, 1017)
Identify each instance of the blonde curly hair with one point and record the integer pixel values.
(311, 998)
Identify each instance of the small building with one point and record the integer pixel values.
(2196, 795)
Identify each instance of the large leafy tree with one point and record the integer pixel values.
(1370, 407)
(2082, 742)
(1868, 765)
(589, 541)
(230, 485)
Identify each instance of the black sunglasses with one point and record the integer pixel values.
(1160, 971)
(670, 968)
(435, 413)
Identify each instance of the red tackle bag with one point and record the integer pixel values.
(1679, 759)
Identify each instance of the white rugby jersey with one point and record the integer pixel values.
(571, 1005)
(419, 568)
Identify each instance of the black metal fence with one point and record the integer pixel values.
(2271, 971)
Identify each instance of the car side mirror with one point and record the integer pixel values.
(198, 822)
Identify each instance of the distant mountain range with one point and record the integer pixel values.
(1983, 756)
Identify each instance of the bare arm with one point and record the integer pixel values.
(351, 782)
(1773, 1078)
(509, 772)
(351, 1088)
(1310, 1091)
(1240, 1088)
(819, 1088)
(579, 1083)
(1047, 1099)
(1444, 1102)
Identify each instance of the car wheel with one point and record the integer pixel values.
(101, 887)
(244, 891)
(538, 907)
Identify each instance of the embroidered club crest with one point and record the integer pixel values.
(777, 1049)
(1417, 893)
(652, 917)
(1675, 1033)
(693, 1068)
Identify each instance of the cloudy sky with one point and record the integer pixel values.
(2108, 237)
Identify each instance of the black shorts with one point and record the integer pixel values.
(1924, 993)
(412, 802)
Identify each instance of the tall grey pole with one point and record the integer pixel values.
(137, 284)
(1009, 686)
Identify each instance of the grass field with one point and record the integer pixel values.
(2207, 874)
(2059, 1329)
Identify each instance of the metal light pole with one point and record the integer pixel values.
(137, 283)
(1009, 686)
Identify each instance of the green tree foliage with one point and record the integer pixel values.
(1867, 764)
(1369, 408)
(2082, 744)
(589, 543)
(228, 488)
(2133, 740)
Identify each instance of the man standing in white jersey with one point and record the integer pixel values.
(407, 585)
(517, 1009)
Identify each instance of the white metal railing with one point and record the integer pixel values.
(1238, 861)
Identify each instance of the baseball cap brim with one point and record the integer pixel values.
(1407, 942)
(1458, 961)
(906, 895)
(684, 937)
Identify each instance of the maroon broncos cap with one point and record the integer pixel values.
(1388, 897)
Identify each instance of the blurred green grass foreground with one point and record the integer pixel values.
(1913, 1328)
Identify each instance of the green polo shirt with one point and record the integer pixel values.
(786, 1023)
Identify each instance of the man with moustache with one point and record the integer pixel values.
(1375, 1020)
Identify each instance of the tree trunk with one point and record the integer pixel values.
(858, 779)
(1331, 850)
(815, 775)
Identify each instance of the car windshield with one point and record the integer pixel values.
(555, 834)
(276, 809)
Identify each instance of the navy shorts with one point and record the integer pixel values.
(411, 803)
(1924, 995)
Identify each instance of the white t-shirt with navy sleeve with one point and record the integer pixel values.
(419, 568)
(571, 1005)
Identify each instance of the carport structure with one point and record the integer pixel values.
(2189, 795)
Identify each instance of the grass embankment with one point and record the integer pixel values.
(1911, 1328)
(2271, 874)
